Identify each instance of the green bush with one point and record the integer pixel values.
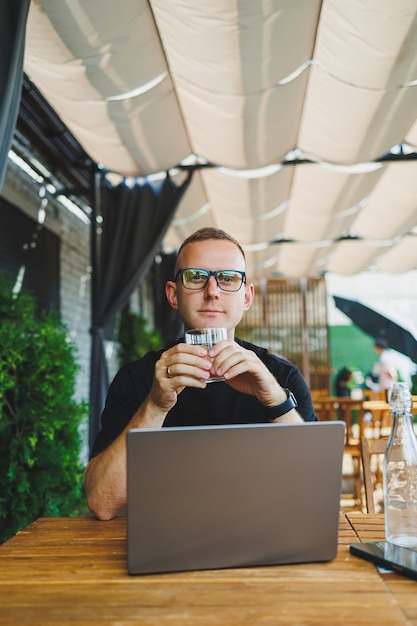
(40, 469)
(135, 337)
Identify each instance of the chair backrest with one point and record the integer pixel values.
(370, 447)
(375, 395)
(317, 394)
(345, 409)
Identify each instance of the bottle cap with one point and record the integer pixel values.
(400, 398)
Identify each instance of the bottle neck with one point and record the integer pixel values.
(402, 427)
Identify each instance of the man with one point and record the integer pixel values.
(387, 372)
(343, 378)
(168, 388)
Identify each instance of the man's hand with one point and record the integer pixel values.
(181, 366)
(244, 371)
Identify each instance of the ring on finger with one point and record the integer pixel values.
(168, 373)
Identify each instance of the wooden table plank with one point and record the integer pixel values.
(73, 571)
(367, 527)
(404, 590)
(221, 602)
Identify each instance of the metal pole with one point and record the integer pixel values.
(304, 332)
(95, 253)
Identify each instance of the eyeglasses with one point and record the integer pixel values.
(195, 278)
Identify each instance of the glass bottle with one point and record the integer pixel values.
(400, 472)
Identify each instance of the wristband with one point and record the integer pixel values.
(272, 412)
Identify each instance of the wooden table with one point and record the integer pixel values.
(73, 571)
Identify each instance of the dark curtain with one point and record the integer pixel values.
(167, 319)
(130, 224)
(13, 16)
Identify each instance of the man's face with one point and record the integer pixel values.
(210, 306)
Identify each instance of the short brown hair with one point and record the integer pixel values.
(203, 234)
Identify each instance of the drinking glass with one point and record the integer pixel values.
(206, 337)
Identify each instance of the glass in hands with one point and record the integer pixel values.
(207, 338)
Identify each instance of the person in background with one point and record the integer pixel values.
(387, 372)
(168, 387)
(372, 378)
(341, 383)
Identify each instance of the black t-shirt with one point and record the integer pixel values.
(218, 403)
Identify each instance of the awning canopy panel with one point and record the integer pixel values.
(250, 91)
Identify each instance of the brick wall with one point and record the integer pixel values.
(22, 191)
(75, 271)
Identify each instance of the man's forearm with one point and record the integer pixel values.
(106, 474)
(105, 481)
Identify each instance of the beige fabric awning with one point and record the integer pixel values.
(294, 103)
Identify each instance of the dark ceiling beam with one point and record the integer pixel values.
(49, 140)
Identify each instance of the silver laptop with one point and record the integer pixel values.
(233, 496)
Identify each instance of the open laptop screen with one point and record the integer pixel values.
(233, 496)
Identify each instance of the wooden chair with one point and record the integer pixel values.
(369, 448)
(381, 396)
(379, 419)
(318, 394)
(351, 412)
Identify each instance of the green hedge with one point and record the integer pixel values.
(40, 469)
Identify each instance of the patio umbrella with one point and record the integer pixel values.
(377, 325)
